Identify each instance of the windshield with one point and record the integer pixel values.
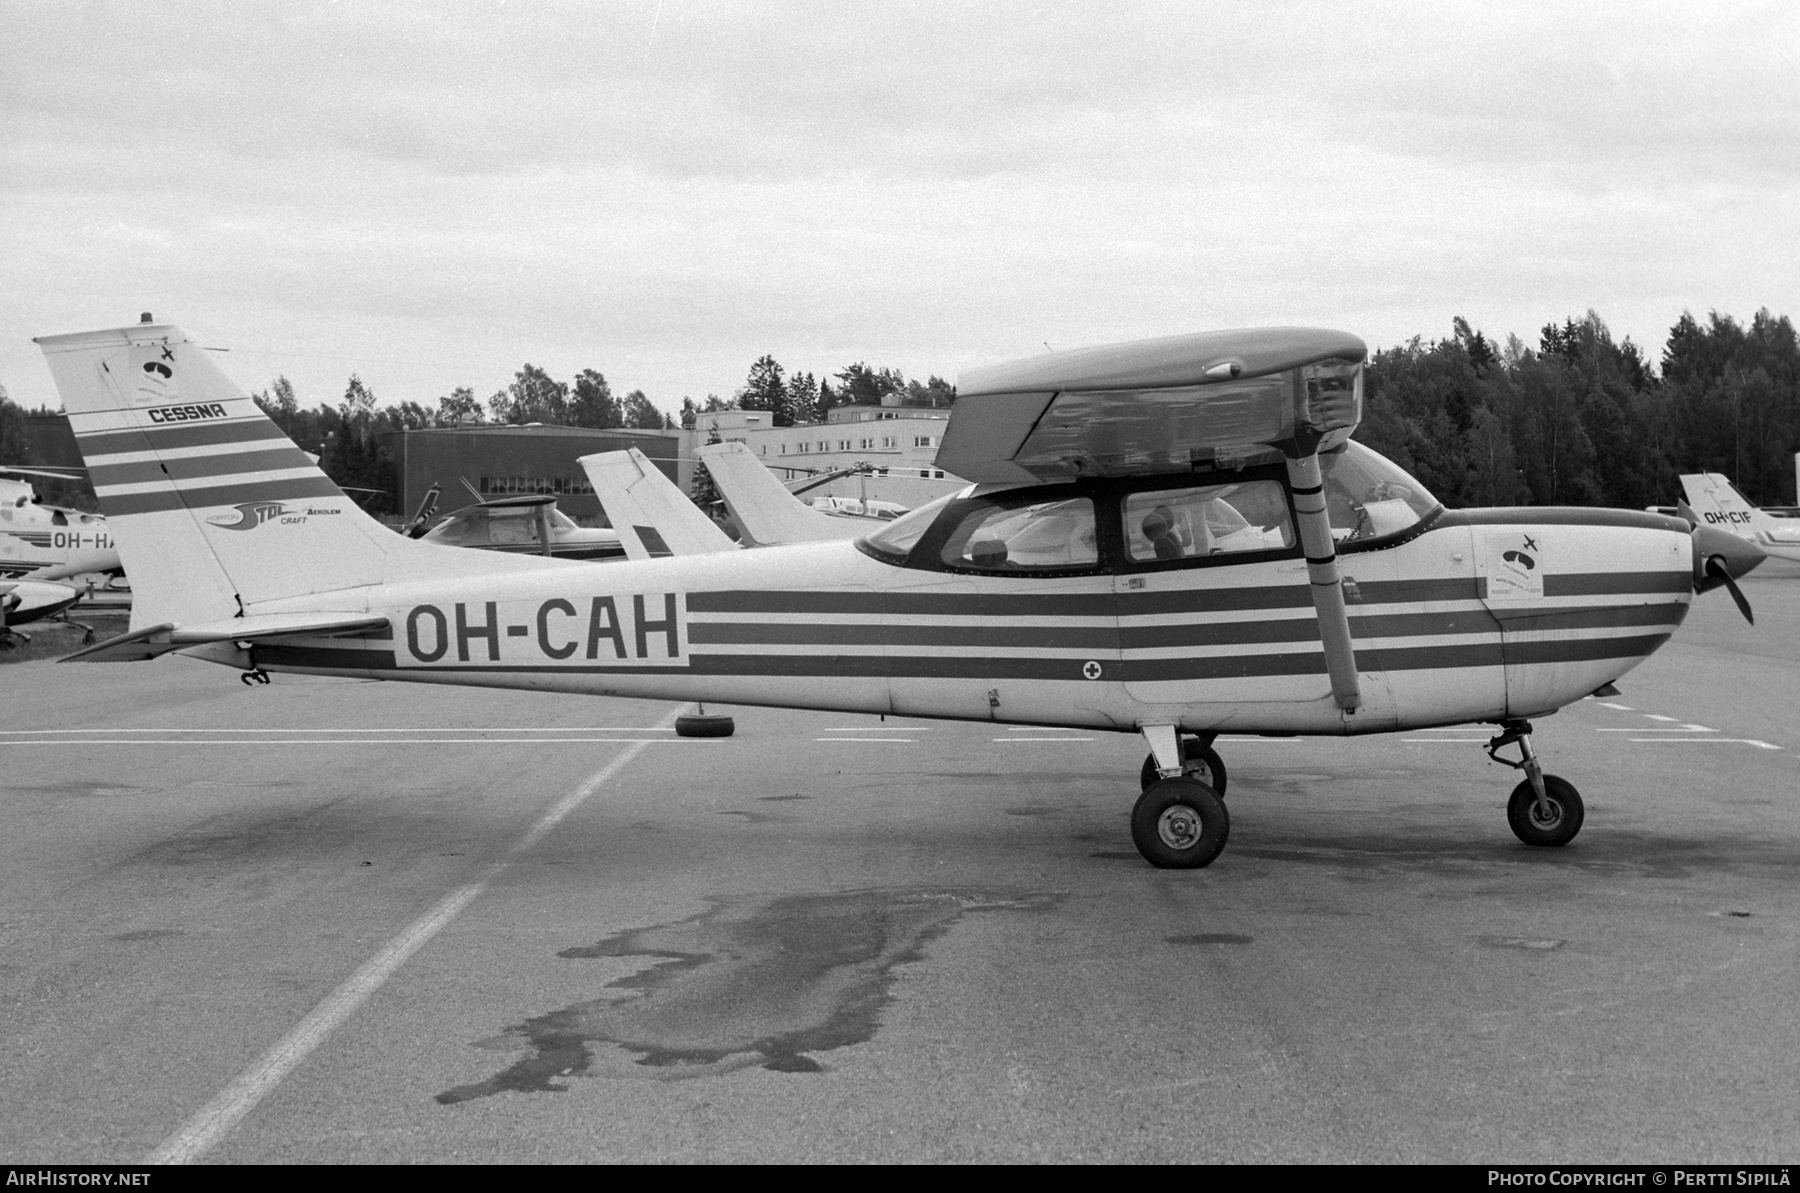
(1369, 496)
(897, 539)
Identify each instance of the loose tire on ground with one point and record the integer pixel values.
(704, 725)
(1197, 762)
(1180, 824)
(1564, 822)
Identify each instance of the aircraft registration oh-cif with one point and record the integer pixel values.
(1716, 501)
(49, 542)
(1175, 537)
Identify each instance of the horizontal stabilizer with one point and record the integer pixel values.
(764, 509)
(653, 518)
(161, 639)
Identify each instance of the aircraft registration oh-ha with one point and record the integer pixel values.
(1175, 537)
(49, 542)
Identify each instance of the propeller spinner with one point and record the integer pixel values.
(1720, 558)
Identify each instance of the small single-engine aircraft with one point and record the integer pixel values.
(1717, 502)
(49, 542)
(1175, 537)
(765, 510)
(653, 518)
(24, 601)
(529, 524)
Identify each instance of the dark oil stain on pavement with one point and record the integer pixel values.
(768, 982)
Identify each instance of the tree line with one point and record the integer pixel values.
(1582, 419)
(800, 398)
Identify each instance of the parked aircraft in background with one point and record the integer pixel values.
(1175, 538)
(766, 511)
(26, 601)
(653, 518)
(525, 525)
(1717, 502)
(49, 542)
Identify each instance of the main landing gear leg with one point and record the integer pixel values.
(1544, 809)
(1179, 822)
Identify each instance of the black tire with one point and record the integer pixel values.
(1197, 762)
(1567, 813)
(704, 725)
(1180, 824)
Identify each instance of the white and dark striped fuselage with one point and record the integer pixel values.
(1215, 646)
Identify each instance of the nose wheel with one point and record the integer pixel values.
(1544, 809)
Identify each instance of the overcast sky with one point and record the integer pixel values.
(431, 194)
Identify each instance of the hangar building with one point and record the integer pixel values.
(500, 461)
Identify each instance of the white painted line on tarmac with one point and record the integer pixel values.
(214, 1120)
(879, 729)
(1032, 741)
(1729, 741)
(394, 729)
(1641, 729)
(374, 741)
(1620, 707)
(905, 741)
(1655, 717)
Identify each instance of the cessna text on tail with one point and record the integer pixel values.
(1175, 537)
(1717, 502)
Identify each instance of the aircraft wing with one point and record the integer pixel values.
(161, 639)
(1158, 405)
(653, 518)
(763, 507)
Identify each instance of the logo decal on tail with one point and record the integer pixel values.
(249, 515)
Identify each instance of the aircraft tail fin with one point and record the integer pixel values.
(214, 510)
(763, 508)
(653, 518)
(1717, 501)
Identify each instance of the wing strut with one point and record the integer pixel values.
(1308, 486)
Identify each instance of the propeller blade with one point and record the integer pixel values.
(1686, 511)
(1716, 567)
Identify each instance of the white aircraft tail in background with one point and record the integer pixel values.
(654, 519)
(190, 472)
(763, 508)
(1717, 502)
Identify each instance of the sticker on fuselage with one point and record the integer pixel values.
(1513, 562)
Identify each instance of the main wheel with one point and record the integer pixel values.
(1558, 826)
(1180, 824)
(1197, 762)
(704, 725)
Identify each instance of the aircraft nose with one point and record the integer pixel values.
(1720, 557)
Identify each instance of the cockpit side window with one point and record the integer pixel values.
(1008, 536)
(1164, 525)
